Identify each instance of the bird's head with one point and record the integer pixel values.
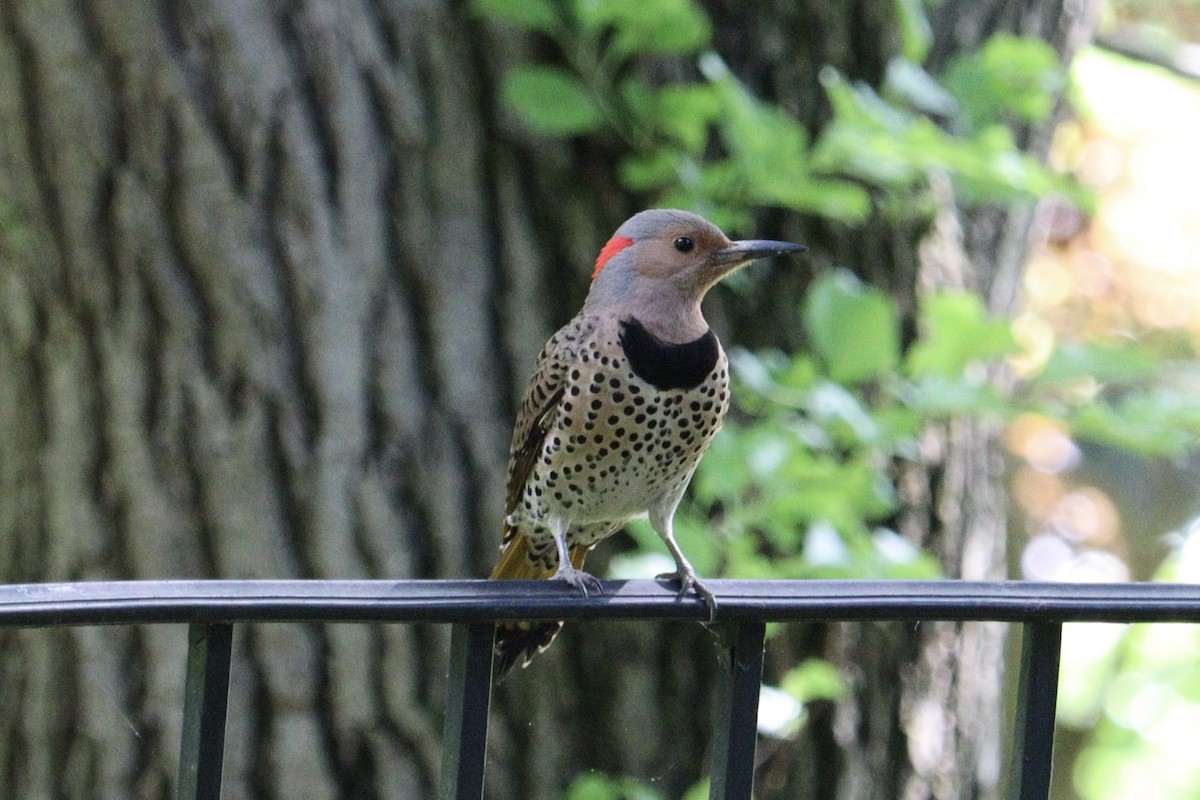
(662, 262)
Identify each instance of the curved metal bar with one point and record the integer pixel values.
(127, 602)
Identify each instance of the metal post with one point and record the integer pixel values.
(1033, 745)
(737, 713)
(468, 696)
(206, 698)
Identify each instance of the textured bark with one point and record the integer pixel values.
(259, 329)
(272, 279)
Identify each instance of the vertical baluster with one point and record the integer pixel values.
(1033, 747)
(737, 713)
(468, 696)
(206, 698)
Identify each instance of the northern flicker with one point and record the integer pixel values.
(623, 401)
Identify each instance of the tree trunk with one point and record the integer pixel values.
(273, 276)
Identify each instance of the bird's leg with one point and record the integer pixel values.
(684, 572)
(566, 570)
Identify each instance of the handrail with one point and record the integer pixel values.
(125, 602)
(211, 608)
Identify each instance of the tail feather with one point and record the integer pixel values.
(519, 641)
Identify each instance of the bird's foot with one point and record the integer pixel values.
(688, 580)
(579, 579)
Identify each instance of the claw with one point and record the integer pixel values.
(579, 579)
(688, 580)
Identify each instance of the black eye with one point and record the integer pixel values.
(684, 244)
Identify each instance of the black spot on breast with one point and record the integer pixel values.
(668, 366)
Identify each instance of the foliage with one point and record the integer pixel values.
(813, 679)
(1123, 396)
(801, 481)
(1008, 78)
(598, 786)
(714, 147)
(799, 484)
(1144, 698)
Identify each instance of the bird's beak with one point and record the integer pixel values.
(750, 249)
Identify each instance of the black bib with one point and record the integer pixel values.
(668, 366)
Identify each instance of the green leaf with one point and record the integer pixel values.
(651, 171)
(918, 88)
(898, 558)
(833, 199)
(598, 786)
(668, 27)
(891, 148)
(537, 15)
(860, 106)
(853, 327)
(695, 538)
(685, 111)
(638, 101)
(1134, 432)
(823, 487)
(1010, 76)
(1100, 362)
(643, 535)
(956, 331)
(915, 32)
(937, 395)
(551, 100)
(813, 679)
(841, 413)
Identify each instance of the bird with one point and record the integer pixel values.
(623, 401)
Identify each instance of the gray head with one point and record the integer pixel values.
(662, 262)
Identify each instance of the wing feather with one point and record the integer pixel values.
(539, 409)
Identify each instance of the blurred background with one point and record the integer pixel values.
(272, 277)
(1089, 511)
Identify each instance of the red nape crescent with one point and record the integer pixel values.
(615, 245)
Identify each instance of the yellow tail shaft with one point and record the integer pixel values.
(518, 642)
(514, 564)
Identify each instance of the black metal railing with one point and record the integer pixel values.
(212, 608)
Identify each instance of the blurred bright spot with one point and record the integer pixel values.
(1048, 280)
(639, 565)
(1129, 272)
(1044, 558)
(1145, 744)
(1136, 265)
(1043, 443)
(1036, 492)
(823, 546)
(1050, 558)
(1131, 101)
(1086, 516)
(926, 731)
(1088, 652)
(1096, 566)
(1051, 450)
(1187, 570)
(1132, 703)
(1164, 645)
(779, 714)
(1100, 163)
(1035, 336)
(894, 547)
